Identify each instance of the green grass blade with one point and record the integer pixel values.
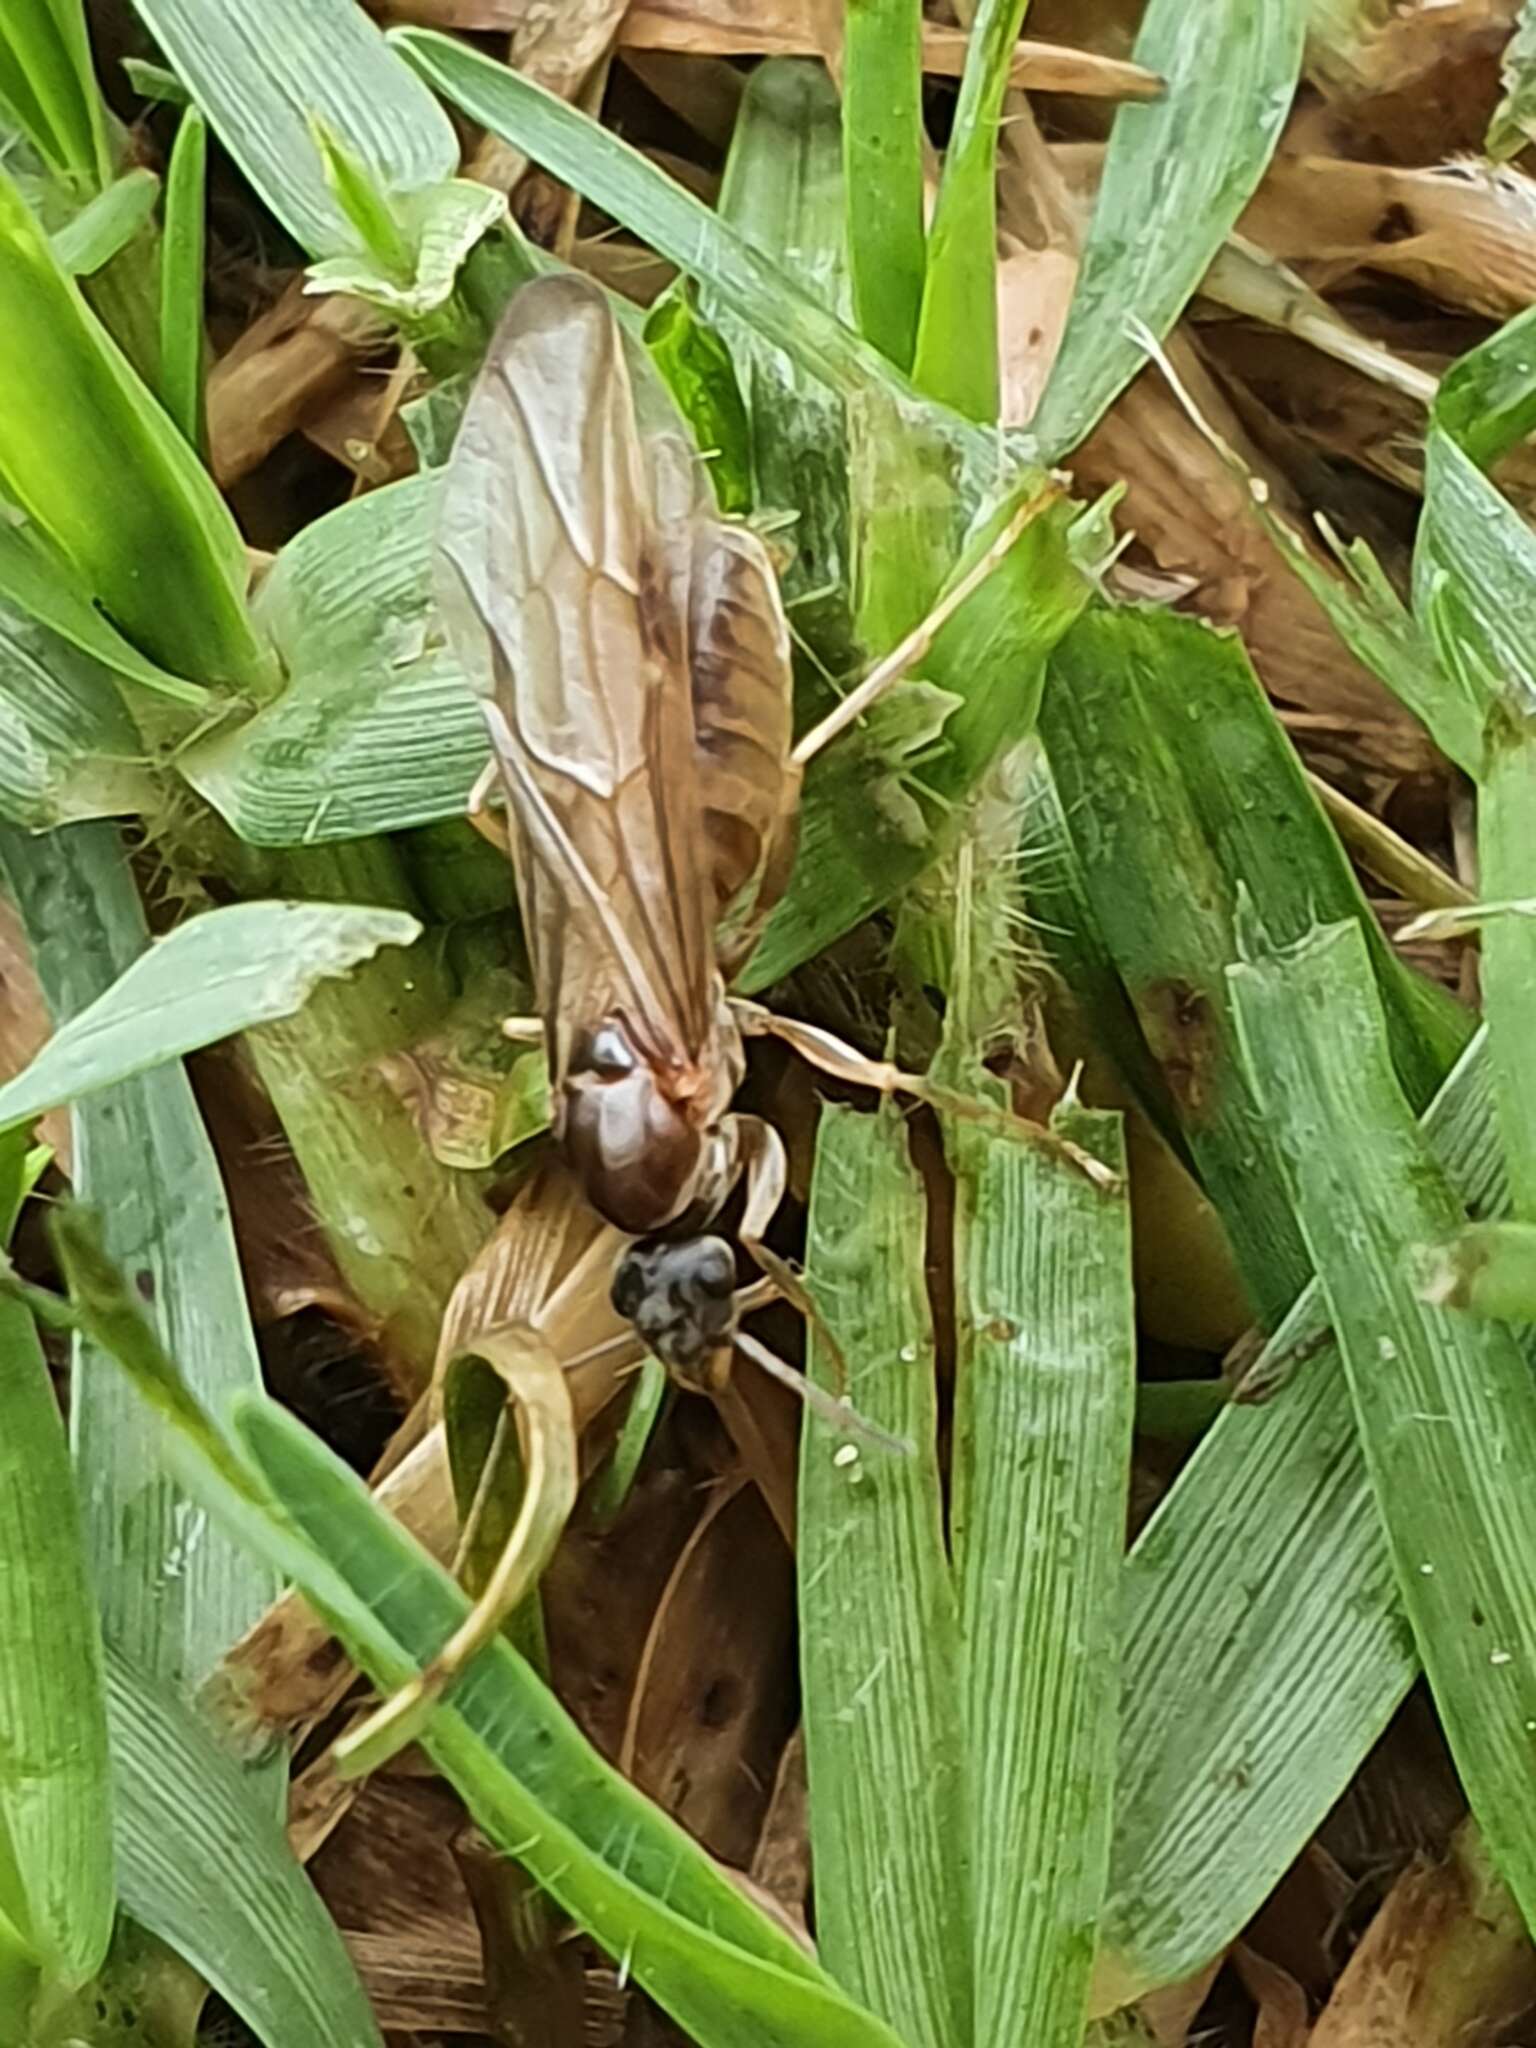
(48, 84)
(728, 1975)
(219, 974)
(1265, 1648)
(68, 749)
(1507, 867)
(601, 1850)
(152, 542)
(783, 193)
(956, 357)
(1179, 172)
(55, 1793)
(1445, 1403)
(872, 820)
(110, 222)
(260, 1936)
(1474, 571)
(173, 1590)
(377, 729)
(36, 580)
(883, 170)
(1158, 735)
(611, 1488)
(880, 1644)
(1042, 1451)
(644, 199)
(1489, 1268)
(181, 281)
(313, 59)
(1514, 118)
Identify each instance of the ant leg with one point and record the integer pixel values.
(825, 1050)
(765, 1170)
(478, 811)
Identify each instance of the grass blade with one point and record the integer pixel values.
(542, 1794)
(879, 1632)
(181, 282)
(1260, 1666)
(956, 357)
(883, 170)
(645, 200)
(1445, 1403)
(1156, 728)
(176, 1591)
(152, 542)
(47, 82)
(260, 1936)
(1042, 1448)
(36, 580)
(218, 974)
(1514, 119)
(87, 243)
(56, 1875)
(1474, 571)
(68, 749)
(313, 59)
(783, 193)
(1178, 173)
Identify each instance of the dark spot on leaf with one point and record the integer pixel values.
(1479, 1619)
(721, 1703)
(1183, 1031)
(144, 1281)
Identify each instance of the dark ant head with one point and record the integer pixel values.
(681, 1299)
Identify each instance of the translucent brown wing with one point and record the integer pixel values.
(742, 707)
(564, 557)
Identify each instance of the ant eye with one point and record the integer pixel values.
(714, 1269)
(605, 1052)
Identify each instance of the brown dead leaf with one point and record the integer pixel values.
(1282, 2016)
(781, 1862)
(1193, 517)
(713, 1702)
(300, 354)
(1170, 2013)
(1446, 1963)
(25, 1023)
(798, 28)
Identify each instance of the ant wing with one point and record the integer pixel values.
(562, 565)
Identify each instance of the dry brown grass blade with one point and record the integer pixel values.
(300, 354)
(710, 1713)
(547, 1265)
(797, 28)
(1462, 233)
(25, 1025)
(1446, 1963)
(1282, 2020)
(1193, 517)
